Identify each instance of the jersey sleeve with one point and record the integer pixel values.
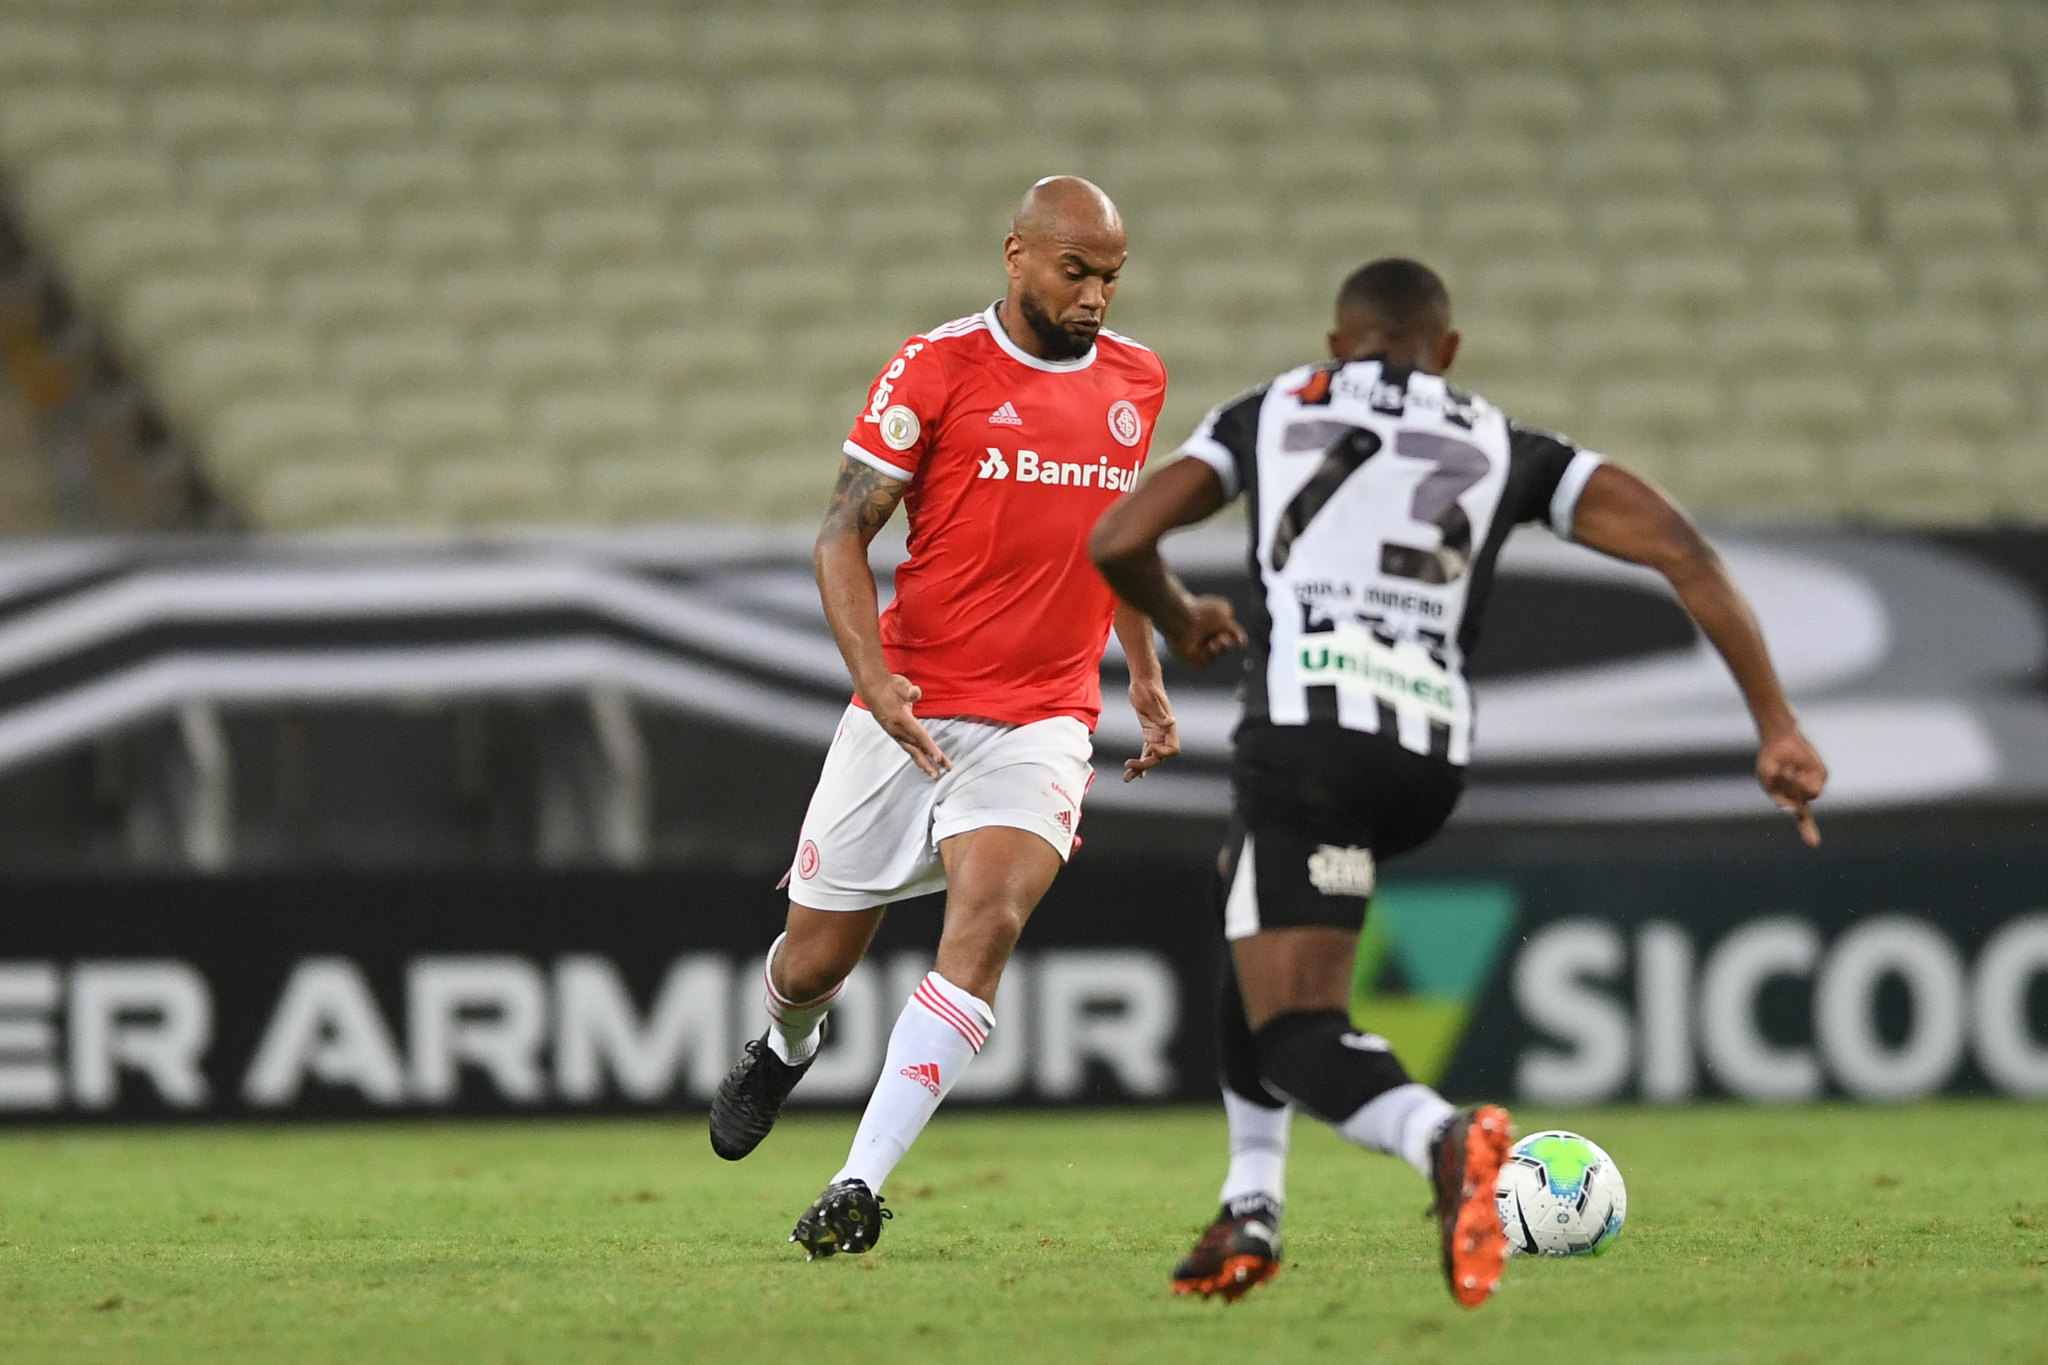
(1228, 442)
(1548, 473)
(895, 431)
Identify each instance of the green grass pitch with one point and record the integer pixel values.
(1915, 1234)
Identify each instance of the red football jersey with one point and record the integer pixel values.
(1010, 459)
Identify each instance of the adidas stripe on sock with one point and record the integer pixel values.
(794, 1036)
(936, 1036)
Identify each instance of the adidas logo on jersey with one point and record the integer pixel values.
(1066, 819)
(1006, 416)
(925, 1074)
(1032, 469)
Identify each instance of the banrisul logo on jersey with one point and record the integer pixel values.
(1424, 959)
(1028, 466)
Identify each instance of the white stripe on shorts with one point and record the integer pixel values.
(1241, 910)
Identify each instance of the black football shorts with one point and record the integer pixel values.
(1317, 808)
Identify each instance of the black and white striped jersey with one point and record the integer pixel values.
(1379, 502)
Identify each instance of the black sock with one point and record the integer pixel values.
(1313, 1057)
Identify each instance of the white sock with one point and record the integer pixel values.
(1258, 1151)
(936, 1036)
(1400, 1123)
(795, 1035)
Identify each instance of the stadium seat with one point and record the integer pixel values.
(1557, 285)
(490, 490)
(36, 120)
(63, 189)
(792, 108)
(1685, 102)
(1846, 280)
(1507, 224)
(1951, 30)
(360, 488)
(1926, 337)
(2007, 277)
(1655, 223)
(938, 108)
(678, 359)
(136, 51)
(887, 232)
(404, 177)
(200, 372)
(302, 237)
(356, 114)
(636, 113)
(1652, 414)
(1764, 476)
(1775, 342)
(1776, 162)
(1693, 283)
(155, 311)
(497, 113)
(1835, 99)
(602, 233)
(1205, 37)
(209, 118)
(605, 41)
(1972, 98)
(554, 355)
(33, 49)
(1968, 403)
(578, 421)
(763, 229)
(1944, 221)
(1817, 406)
(550, 174)
(381, 362)
(779, 296)
(874, 40)
(1481, 165)
(1509, 37)
(1815, 222)
(692, 177)
(679, 485)
(1601, 348)
(734, 422)
(1054, 37)
(113, 248)
(1235, 108)
(435, 48)
(641, 295)
(1918, 477)
(1250, 289)
(326, 300)
(1644, 35)
(487, 296)
(265, 179)
(753, 41)
(1528, 103)
(1086, 106)
(1621, 162)
(1382, 104)
(1337, 38)
(253, 433)
(1922, 162)
(293, 49)
(454, 421)
(1809, 32)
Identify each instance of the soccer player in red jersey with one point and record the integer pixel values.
(963, 760)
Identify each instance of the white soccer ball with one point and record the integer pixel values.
(1560, 1195)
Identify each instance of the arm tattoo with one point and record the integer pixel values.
(863, 499)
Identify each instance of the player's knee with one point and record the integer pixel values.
(1318, 1060)
(804, 971)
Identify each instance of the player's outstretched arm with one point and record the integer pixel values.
(1125, 548)
(862, 503)
(1148, 693)
(1624, 516)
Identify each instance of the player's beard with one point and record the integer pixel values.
(1056, 341)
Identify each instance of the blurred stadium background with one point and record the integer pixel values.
(412, 417)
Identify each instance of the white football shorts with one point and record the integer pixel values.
(873, 831)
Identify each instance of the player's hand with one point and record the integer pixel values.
(1210, 629)
(1162, 731)
(891, 711)
(1792, 772)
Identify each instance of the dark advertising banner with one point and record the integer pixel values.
(351, 997)
(1772, 977)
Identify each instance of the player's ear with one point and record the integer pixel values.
(1337, 351)
(1013, 256)
(1446, 351)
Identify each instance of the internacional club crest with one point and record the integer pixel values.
(1124, 423)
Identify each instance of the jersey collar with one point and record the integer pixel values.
(1023, 357)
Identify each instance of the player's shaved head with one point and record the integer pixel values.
(1066, 207)
(1065, 248)
(1398, 308)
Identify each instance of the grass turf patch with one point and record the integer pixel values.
(1754, 1235)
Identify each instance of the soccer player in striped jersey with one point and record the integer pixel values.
(1380, 497)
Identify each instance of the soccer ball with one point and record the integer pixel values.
(1560, 1195)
